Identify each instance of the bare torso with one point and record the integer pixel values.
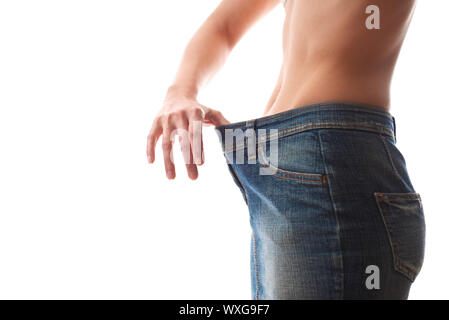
(330, 54)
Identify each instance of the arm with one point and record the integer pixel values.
(211, 44)
(204, 55)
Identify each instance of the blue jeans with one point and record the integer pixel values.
(332, 210)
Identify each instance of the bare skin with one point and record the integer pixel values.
(329, 55)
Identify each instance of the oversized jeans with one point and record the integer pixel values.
(333, 212)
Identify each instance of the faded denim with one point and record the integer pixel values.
(339, 200)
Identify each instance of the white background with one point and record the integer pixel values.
(82, 214)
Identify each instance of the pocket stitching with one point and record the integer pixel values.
(400, 265)
(323, 180)
(316, 178)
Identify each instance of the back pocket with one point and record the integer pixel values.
(403, 216)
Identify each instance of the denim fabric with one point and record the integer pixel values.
(337, 204)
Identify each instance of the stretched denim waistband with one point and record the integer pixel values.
(317, 116)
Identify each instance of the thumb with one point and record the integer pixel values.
(214, 117)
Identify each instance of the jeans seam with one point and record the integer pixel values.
(322, 181)
(338, 231)
(256, 267)
(348, 124)
(311, 108)
(390, 158)
(376, 128)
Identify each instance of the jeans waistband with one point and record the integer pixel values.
(317, 116)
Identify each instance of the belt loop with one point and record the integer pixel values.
(250, 124)
(394, 129)
(251, 141)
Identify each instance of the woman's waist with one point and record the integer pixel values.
(369, 88)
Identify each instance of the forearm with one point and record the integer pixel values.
(204, 55)
(208, 49)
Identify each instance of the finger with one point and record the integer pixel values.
(192, 170)
(196, 136)
(167, 146)
(185, 144)
(152, 139)
(215, 117)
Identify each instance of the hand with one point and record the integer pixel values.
(182, 116)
